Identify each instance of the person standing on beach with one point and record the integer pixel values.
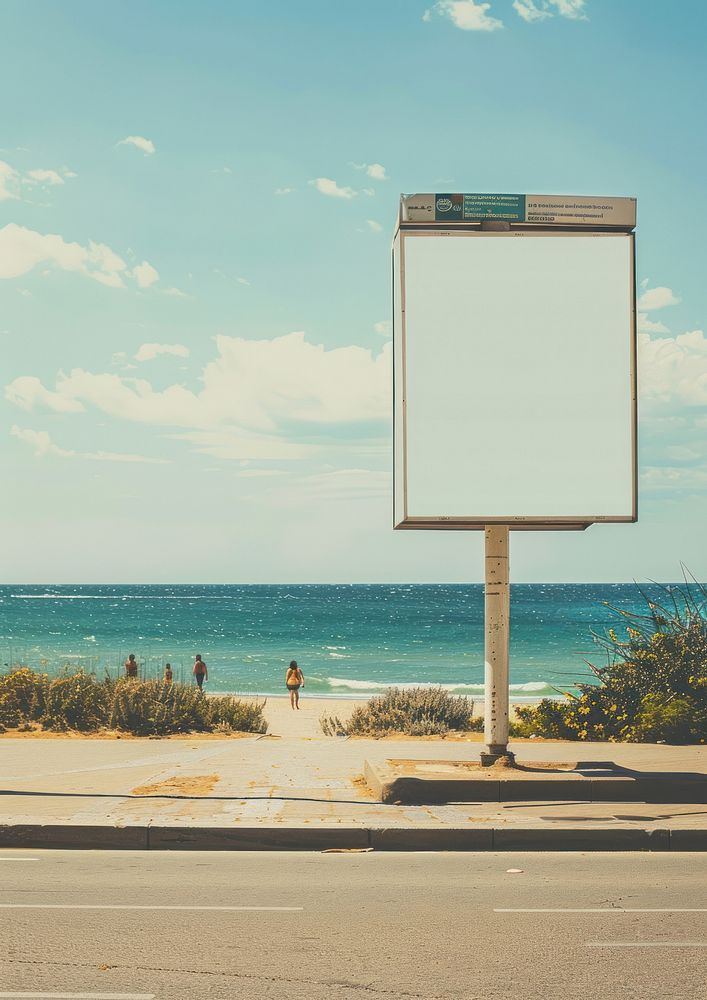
(168, 673)
(131, 667)
(294, 680)
(200, 672)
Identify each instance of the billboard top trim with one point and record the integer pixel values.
(535, 210)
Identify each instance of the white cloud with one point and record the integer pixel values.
(657, 298)
(674, 368)
(329, 187)
(693, 340)
(147, 352)
(8, 181)
(284, 190)
(43, 445)
(646, 325)
(672, 478)
(467, 15)
(11, 179)
(252, 395)
(374, 170)
(374, 226)
(384, 327)
(28, 393)
(529, 12)
(39, 441)
(573, 9)
(177, 293)
(145, 275)
(243, 281)
(540, 10)
(140, 142)
(23, 249)
(45, 177)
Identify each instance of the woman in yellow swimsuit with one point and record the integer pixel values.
(294, 680)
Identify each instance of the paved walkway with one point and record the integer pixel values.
(297, 782)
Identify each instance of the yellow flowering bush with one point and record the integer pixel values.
(653, 687)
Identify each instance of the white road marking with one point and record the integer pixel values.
(610, 909)
(86, 996)
(18, 859)
(642, 944)
(114, 906)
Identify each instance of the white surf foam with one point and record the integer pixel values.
(530, 687)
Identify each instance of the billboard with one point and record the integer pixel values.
(514, 373)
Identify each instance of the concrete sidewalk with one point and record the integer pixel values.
(309, 793)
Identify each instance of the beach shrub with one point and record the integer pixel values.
(653, 686)
(670, 721)
(228, 714)
(75, 701)
(81, 702)
(152, 708)
(547, 718)
(22, 696)
(411, 711)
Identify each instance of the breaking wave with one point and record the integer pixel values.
(534, 689)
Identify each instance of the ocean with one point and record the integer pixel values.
(351, 640)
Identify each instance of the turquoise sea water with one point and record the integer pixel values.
(351, 640)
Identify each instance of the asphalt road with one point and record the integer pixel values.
(114, 926)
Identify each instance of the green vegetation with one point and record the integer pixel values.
(411, 711)
(79, 701)
(653, 687)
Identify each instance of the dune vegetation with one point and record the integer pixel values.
(79, 701)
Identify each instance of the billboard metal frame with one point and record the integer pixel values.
(496, 229)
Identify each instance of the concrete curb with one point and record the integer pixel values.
(69, 836)
(419, 838)
(256, 838)
(435, 790)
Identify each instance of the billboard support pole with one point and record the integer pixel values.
(497, 609)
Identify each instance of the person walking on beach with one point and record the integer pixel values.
(294, 680)
(168, 673)
(200, 672)
(131, 667)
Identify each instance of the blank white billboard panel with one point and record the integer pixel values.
(514, 378)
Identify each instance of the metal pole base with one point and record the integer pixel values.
(497, 754)
(496, 645)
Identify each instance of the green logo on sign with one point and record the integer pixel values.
(449, 207)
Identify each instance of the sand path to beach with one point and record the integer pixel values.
(284, 721)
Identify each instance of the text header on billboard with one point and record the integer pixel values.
(534, 209)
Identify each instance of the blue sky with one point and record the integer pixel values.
(196, 203)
